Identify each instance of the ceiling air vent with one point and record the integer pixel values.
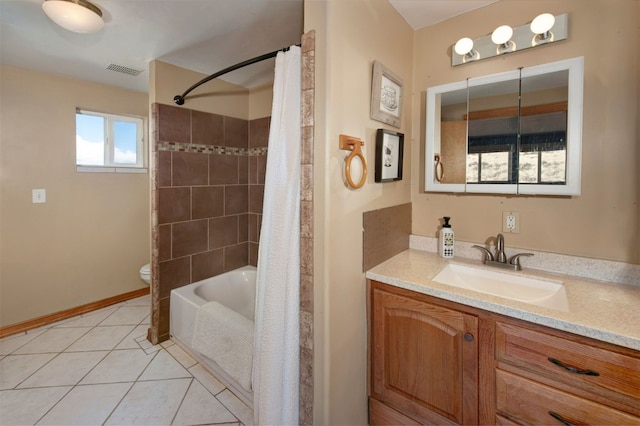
(125, 70)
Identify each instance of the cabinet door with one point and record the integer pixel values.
(453, 155)
(424, 359)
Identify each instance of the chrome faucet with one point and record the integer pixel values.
(500, 260)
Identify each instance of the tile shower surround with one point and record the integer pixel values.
(258, 138)
(210, 185)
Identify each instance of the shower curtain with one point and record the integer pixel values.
(276, 355)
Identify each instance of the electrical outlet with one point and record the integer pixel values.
(511, 222)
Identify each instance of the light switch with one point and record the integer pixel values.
(38, 196)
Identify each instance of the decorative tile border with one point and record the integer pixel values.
(597, 269)
(210, 149)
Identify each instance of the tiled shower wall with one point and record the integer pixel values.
(209, 186)
(208, 134)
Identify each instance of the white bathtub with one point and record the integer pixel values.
(237, 291)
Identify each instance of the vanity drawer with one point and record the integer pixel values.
(580, 365)
(527, 402)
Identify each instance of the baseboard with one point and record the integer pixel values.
(68, 313)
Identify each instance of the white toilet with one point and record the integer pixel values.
(145, 273)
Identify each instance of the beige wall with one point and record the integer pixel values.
(350, 36)
(216, 96)
(260, 101)
(89, 240)
(603, 221)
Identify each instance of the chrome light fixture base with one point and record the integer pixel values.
(522, 38)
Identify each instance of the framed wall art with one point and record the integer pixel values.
(389, 154)
(386, 95)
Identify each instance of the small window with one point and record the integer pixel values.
(109, 142)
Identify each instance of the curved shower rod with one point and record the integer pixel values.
(179, 99)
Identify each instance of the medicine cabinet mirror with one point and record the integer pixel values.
(516, 132)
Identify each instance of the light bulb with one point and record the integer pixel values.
(463, 46)
(502, 34)
(542, 23)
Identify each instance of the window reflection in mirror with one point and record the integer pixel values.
(543, 129)
(493, 132)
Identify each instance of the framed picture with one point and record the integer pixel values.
(389, 152)
(386, 96)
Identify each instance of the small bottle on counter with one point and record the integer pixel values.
(446, 246)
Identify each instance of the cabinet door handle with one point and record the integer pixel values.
(566, 422)
(468, 337)
(573, 369)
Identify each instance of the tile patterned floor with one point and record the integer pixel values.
(99, 369)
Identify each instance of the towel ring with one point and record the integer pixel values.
(353, 144)
(439, 168)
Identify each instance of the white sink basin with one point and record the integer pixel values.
(549, 294)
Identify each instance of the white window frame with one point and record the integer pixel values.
(110, 165)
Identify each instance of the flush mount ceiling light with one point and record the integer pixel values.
(78, 16)
(544, 29)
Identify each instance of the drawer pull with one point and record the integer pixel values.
(573, 369)
(566, 422)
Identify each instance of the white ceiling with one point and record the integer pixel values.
(201, 35)
(422, 13)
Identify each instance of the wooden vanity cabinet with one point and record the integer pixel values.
(548, 377)
(424, 361)
(438, 362)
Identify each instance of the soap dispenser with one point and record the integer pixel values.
(446, 246)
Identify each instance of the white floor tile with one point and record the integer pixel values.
(167, 343)
(164, 366)
(65, 369)
(127, 315)
(86, 405)
(212, 384)
(101, 338)
(16, 368)
(181, 356)
(11, 343)
(26, 406)
(150, 403)
(147, 346)
(45, 361)
(130, 342)
(199, 407)
(88, 320)
(53, 340)
(119, 366)
(236, 406)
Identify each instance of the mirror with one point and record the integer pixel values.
(492, 133)
(517, 132)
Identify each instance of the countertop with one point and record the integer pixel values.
(600, 310)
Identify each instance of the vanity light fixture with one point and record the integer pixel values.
(78, 16)
(544, 29)
(464, 48)
(541, 27)
(502, 37)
